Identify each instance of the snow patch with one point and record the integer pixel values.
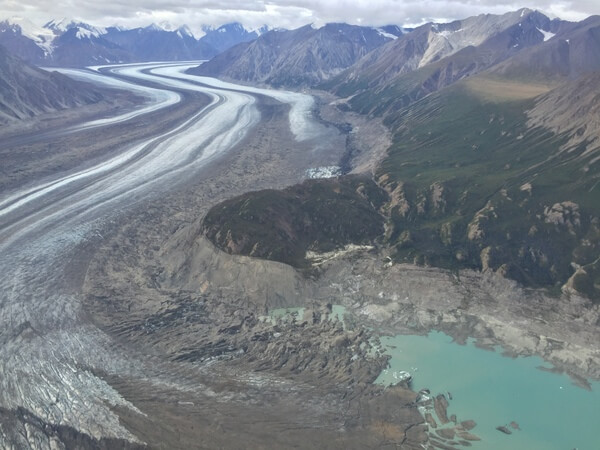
(386, 34)
(58, 25)
(185, 31)
(260, 31)
(154, 27)
(324, 172)
(547, 34)
(83, 33)
(525, 11)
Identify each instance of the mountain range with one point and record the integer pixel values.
(70, 43)
(304, 56)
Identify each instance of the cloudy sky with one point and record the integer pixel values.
(279, 13)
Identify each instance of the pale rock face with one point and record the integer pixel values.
(437, 197)
(565, 214)
(527, 187)
(475, 229)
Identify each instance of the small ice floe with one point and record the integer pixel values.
(423, 396)
(324, 172)
(401, 376)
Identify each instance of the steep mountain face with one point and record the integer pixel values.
(305, 56)
(26, 91)
(68, 43)
(532, 50)
(440, 54)
(572, 51)
(573, 109)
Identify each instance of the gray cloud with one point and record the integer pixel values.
(281, 13)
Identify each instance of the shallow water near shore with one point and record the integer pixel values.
(494, 390)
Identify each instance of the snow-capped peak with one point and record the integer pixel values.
(84, 30)
(84, 33)
(261, 30)
(41, 36)
(525, 11)
(29, 29)
(154, 27)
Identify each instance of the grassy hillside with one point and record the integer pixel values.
(474, 186)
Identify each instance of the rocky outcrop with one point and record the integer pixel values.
(476, 228)
(438, 198)
(564, 214)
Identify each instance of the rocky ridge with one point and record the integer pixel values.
(26, 91)
(301, 57)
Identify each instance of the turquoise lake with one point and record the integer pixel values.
(495, 390)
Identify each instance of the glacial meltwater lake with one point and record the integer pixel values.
(494, 390)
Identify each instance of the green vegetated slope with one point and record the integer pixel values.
(282, 225)
(495, 162)
(475, 184)
(471, 182)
